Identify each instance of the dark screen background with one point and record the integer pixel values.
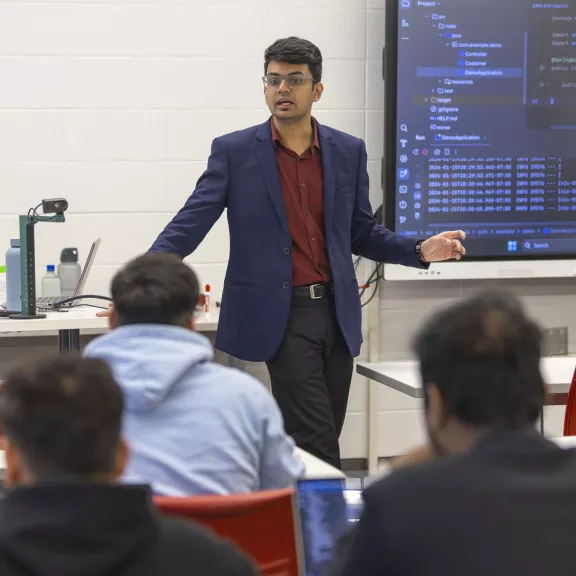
(485, 133)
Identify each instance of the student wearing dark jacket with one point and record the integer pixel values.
(63, 514)
(489, 496)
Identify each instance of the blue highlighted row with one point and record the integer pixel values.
(434, 72)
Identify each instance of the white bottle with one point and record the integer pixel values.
(69, 272)
(50, 283)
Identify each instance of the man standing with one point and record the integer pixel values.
(298, 208)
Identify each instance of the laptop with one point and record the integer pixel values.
(54, 302)
(327, 511)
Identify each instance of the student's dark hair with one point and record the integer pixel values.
(483, 355)
(295, 50)
(155, 289)
(64, 416)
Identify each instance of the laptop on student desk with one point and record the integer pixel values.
(50, 303)
(327, 511)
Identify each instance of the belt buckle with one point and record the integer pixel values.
(313, 292)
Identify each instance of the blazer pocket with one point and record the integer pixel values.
(346, 189)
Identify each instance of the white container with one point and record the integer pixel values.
(69, 272)
(50, 283)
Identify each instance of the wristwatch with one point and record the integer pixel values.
(418, 251)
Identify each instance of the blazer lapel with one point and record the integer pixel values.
(327, 150)
(267, 156)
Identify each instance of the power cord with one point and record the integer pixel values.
(373, 281)
(93, 306)
(61, 303)
(33, 214)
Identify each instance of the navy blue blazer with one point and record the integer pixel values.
(242, 176)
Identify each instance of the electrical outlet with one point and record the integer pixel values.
(555, 341)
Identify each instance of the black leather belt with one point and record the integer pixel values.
(315, 291)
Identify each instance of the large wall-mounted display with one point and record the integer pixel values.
(481, 124)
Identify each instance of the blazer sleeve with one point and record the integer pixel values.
(370, 239)
(206, 204)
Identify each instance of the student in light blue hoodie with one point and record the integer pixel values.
(194, 426)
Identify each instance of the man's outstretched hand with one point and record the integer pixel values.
(105, 313)
(445, 246)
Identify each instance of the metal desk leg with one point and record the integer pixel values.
(69, 341)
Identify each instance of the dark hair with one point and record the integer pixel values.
(155, 289)
(483, 355)
(295, 50)
(64, 416)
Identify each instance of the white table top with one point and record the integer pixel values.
(405, 376)
(316, 469)
(83, 319)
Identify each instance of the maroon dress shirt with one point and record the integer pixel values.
(301, 183)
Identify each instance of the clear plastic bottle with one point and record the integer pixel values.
(50, 283)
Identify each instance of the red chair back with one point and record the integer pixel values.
(262, 524)
(570, 417)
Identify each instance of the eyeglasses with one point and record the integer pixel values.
(294, 81)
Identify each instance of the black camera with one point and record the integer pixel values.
(54, 206)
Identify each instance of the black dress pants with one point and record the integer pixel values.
(311, 374)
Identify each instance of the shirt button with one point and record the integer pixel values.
(303, 185)
(286, 250)
(313, 239)
(307, 214)
(285, 285)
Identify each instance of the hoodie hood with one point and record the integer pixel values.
(72, 529)
(148, 360)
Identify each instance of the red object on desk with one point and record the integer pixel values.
(262, 524)
(570, 417)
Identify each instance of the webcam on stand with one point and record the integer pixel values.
(57, 207)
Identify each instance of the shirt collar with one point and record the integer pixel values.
(315, 140)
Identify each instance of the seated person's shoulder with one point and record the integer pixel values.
(240, 386)
(419, 480)
(185, 544)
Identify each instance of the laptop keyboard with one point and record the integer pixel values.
(48, 302)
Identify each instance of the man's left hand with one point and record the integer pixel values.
(445, 246)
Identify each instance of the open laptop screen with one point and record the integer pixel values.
(325, 518)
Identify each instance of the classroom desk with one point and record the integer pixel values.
(316, 469)
(405, 377)
(68, 326)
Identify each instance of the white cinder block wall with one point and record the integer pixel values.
(113, 104)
